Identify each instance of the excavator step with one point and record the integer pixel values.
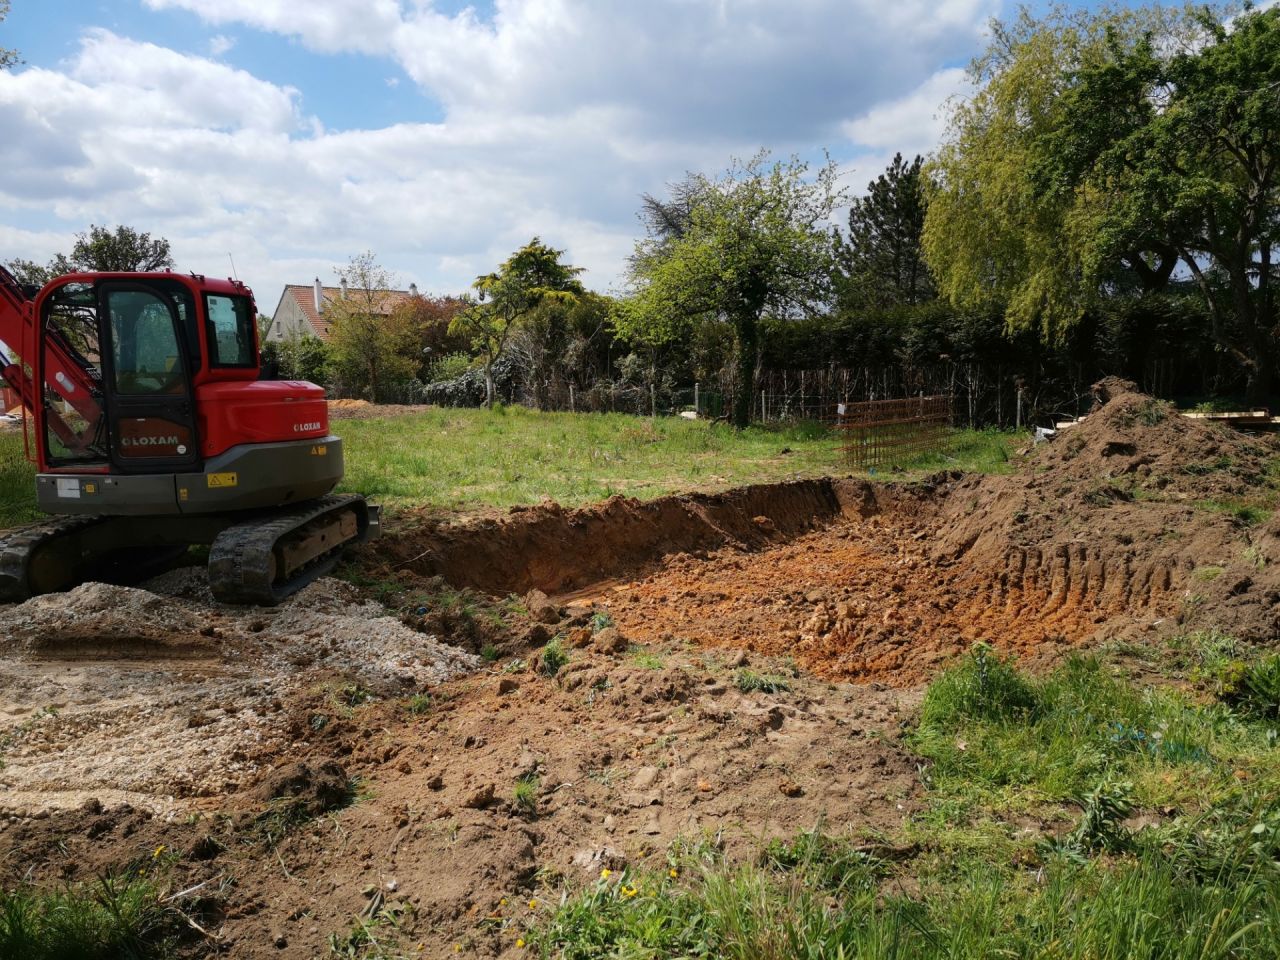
(264, 560)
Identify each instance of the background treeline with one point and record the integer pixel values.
(1107, 201)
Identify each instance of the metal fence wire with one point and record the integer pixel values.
(880, 433)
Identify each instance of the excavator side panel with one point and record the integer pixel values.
(247, 477)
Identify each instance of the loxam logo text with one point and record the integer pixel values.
(150, 441)
(304, 427)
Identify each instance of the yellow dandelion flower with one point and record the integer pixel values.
(533, 904)
(457, 948)
(520, 943)
(629, 891)
(159, 850)
(605, 873)
(502, 902)
(673, 872)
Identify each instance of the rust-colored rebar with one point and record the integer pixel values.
(891, 432)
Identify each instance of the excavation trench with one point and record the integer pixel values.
(843, 575)
(1138, 522)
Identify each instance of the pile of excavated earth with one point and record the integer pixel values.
(736, 665)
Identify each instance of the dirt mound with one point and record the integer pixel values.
(307, 789)
(550, 548)
(364, 410)
(1135, 509)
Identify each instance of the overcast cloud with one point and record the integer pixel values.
(557, 115)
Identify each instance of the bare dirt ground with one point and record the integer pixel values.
(328, 760)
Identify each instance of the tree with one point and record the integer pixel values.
(370, 344)
(752, 242)
(7, 57)
(881, 263)
(1179, 145)
(997, 235)
(529, 278)
(122, 250)
(430, 318)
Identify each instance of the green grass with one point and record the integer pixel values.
(106, 920)
(17, 482)
(525, 794)
(460, 458)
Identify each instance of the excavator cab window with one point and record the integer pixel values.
(74, 411)
(231, 341)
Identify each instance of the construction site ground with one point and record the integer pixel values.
(407, 745)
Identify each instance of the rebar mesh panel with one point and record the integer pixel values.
(880, 433)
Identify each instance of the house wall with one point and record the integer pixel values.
(289, 321)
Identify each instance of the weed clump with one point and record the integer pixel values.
(553, 658)
(749, 681)
(526, 793)
(981, 687)
(1257, 690)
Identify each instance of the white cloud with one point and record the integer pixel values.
(558, 114)
(220, 44)
(914, 123)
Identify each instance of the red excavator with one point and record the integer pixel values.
(153, 431)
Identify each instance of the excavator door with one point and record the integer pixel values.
(150, 404)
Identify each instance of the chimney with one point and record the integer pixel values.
(413, 289)
(319, 294)
(343, 282)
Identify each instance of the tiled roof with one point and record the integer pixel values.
(304, 295)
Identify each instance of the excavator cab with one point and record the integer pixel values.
(146, 403)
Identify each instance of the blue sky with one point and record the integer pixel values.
(440, 135)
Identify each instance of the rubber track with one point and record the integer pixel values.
(240, 558)
(18, 547)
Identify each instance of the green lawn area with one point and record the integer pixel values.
(469, 459)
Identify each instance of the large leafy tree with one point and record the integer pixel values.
(120, 249)
(1111, 149)
(728, 251)
(530, 278)
(996, 235)
(880, 263)
(1179, 146)
(370, 345)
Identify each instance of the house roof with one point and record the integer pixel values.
(304, 295)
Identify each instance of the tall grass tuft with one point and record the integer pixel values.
(113, 918)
